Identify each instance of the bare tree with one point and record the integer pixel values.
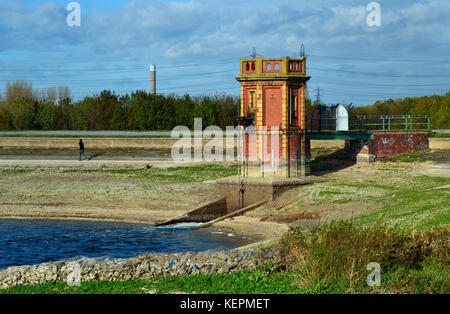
(51, 95)
(36, 94)
(18, 89)
(63, 92)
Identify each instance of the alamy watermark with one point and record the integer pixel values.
(233, 144)
(374, 17)
(74, 17)
(74, 277)
(374, 278)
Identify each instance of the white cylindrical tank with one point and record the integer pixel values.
(341, 118)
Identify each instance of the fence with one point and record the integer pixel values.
(365, 123)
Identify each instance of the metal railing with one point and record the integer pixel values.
(365, 123)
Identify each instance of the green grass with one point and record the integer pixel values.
(242, 282)
(414, 156)
(440, 135)
(180, 174)
(15, 171)
(335, 258)
(422, 155)
(420, 206)
(159, 175)
(328, 192)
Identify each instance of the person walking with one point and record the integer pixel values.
(82, 151)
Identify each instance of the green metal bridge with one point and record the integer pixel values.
(362, 127)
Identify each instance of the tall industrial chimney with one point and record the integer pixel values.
(153, 79)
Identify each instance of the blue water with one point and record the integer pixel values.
(26, 242)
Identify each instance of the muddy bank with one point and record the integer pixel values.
(146, 266)
(137, 196)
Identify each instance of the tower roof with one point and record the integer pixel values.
(284, 68)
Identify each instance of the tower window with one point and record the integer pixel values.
(293, 105)
(252, 99)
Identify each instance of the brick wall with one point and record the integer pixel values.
(386, 145)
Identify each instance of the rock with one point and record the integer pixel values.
(144, 267)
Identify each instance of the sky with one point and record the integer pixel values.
(196, 45)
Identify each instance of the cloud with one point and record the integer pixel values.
(202, 27)
(197, 30)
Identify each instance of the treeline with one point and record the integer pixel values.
(436, 106)
(26, 109)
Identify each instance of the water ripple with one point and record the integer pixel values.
(24, 242)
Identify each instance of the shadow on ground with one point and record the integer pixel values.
(335, 161)
(96, 155)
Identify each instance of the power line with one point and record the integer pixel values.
(191, 91)
(387, 95)
(370, 84)
(129, 69)
(381, 74)
(427, 60)
(121, 80)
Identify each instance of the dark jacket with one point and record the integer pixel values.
(81, 145)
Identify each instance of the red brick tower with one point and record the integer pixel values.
(273, 102)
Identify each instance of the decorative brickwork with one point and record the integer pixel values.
(273, 95)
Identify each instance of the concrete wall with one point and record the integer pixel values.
(89, 143)
(203, 213)
(439, 143)
(241, 192)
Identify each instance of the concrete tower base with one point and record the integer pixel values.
(241, 192)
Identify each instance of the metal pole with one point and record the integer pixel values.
(288, 156)
(243, 139)
(290, 105)
(262, 153)
(272, 162)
